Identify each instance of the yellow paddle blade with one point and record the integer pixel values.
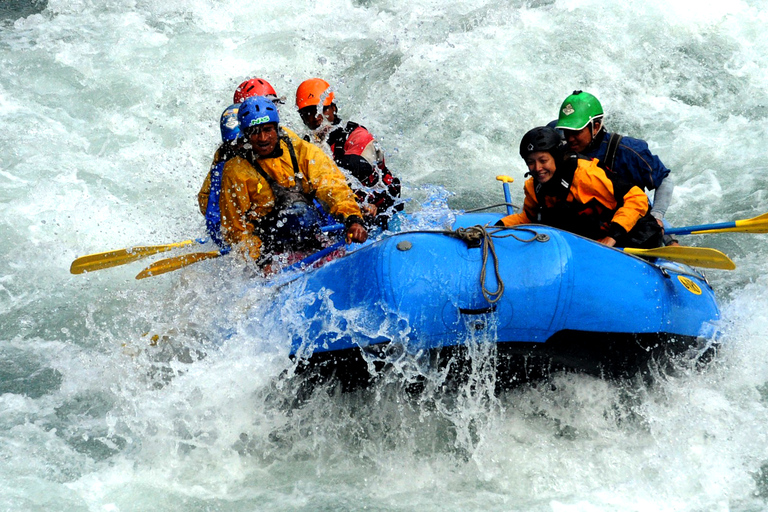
(175, 263)
(696, 256)
(109, 259)
(757, 224)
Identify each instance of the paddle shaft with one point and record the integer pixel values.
(507, 198)
(687, 230)
(505, 181)
(316, 256)
(757, 224)
(171, 264)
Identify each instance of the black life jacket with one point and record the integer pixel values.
(590, 220)
(368, 175)
(337, 139)
(593, 219)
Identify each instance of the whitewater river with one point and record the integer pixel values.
(165, 393)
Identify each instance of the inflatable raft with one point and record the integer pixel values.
(548, 300)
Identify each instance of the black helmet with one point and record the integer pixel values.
(543, 138)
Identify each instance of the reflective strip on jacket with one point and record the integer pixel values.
(590, 182)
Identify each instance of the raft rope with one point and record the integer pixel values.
(473, 210)
(479, 236)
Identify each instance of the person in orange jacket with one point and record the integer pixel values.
(267, 190)
(577, 195)
(354, 150)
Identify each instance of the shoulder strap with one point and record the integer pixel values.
(213, 209)
(294, 162)
(565, 175)
(338, 139)
(610, 153)
(255, 163)
(292, 152)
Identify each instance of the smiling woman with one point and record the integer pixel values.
(577, 195)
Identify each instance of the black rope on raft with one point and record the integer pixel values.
(479, 236)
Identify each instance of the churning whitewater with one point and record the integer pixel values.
(171, 393)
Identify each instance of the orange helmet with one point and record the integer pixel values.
(311, 91)
(253, 87)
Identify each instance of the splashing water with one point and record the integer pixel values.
(172, 393)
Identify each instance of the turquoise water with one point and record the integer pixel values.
(109, 110)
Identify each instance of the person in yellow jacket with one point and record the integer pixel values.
(231, 145)
(267, 189)
(574, 193)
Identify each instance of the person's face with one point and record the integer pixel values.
(263, 138)
(578, 140)
(312, 119)
(541, 165)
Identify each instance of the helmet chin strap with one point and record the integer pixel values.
(593, 132)
(592, 129)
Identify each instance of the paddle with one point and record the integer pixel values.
(505, 181)
(757, 224)
(316, 256)
(177, 262)
(119, 257)
(696, 256)
(110, 259)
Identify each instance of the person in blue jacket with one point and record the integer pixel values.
(208, 197)
(581, 121)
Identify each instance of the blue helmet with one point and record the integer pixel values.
(229, 124)
(257, 110)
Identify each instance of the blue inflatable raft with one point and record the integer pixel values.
(548, 300)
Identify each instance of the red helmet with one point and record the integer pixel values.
(311, 91)
(254, 87)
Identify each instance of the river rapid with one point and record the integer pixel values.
(167, 393)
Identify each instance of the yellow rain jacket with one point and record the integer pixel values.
(205, 190)
(247, 196)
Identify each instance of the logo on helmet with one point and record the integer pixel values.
(568, 109)
(231, 123)
(259, 120)
(530, 147)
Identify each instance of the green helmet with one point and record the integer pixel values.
(578, 110)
